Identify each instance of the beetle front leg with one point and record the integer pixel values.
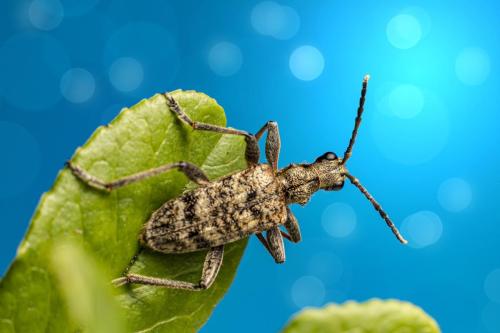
(211, 267)
(190, 170)
(273, 143)
(274, 244)
(292, 226)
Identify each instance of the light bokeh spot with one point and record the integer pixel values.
(422, 229)
(225, 59)
(406, 101)
(20, 156)
(406, 139)
(404, 31)
(308, 291)
(339, 220)
(126, 74)
(306, 63)
(45, 14)
(422, 16)
(492, 285)
(272, 19)
(77, 85)
(455, 194)
(472, 66)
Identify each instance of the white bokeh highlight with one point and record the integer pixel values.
(225, 59)
(308, 291)
(472, 66)
(339, 220)
(422, 229)
(492, 285)
(306, 63)
(406, 101)
(272, 19)
(404, 31)
(126, 74)
(45, 14)
(422, 17)
(400, 133)
(454, 194)
(77, 85)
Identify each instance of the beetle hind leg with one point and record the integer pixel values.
(211, 267)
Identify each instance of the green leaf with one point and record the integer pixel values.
(86, 291)
(374, 316)
(107, 225)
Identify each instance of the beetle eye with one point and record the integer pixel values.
(329, 156)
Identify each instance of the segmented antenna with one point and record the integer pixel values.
(377, 207)
(357, 122)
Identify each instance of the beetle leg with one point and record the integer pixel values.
(273, 142)
(274, 244)
(252, 152)
(292, 226)
(211, 267)
(190, 170)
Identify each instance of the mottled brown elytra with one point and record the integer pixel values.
(249, 202)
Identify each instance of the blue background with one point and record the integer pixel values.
(437, 60)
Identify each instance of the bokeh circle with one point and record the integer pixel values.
(339, 220)
(455, 194)
(272, 19)
(306, 63)
(45, 14)
(308, 291)
(404, 31)
(77, 85)
(225, 59)
(406, 101)
(413, 135)
(422, 229)
(126, 74)
(153, 47)
(492, 285)
(472, 66)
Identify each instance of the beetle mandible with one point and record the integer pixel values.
(248, 202)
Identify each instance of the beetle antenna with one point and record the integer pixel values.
(357, 122)
(377, 207)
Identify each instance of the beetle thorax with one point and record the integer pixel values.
(300, 181)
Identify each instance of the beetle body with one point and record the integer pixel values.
(218, 213)
(253, 201)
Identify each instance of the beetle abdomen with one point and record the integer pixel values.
(221, 212)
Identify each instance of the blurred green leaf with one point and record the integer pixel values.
(107, 225)
(86, 290)
(374, 316)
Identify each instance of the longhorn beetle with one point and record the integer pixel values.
(248, 202)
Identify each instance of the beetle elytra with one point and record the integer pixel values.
(252, 201)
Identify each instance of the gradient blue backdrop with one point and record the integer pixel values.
(431, 115)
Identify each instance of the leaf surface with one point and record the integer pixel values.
(374, 316)
(107, 225)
